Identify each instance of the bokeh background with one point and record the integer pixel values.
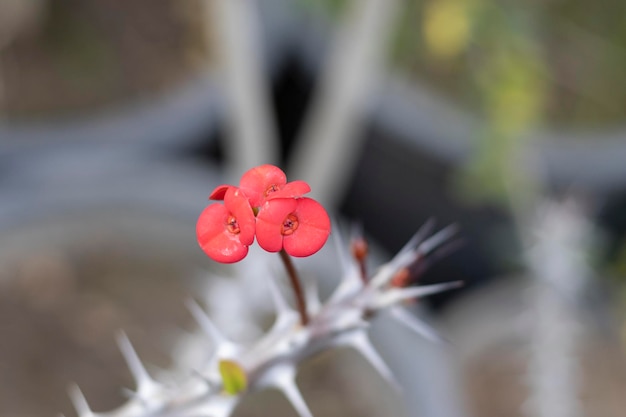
(507, 118)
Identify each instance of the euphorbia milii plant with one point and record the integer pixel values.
(274, 210)
(284, 221)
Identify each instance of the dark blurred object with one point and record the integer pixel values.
(414, 188)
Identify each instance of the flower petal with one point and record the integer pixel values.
(313, 229)
(270, 220)
(237, 204)
(290, 190)
(219, 192)
(256, 181)
(214, 239)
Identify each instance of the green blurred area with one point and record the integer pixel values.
(572, 52)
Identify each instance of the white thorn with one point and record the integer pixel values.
(216, 336)
(129, 393)
(294, 396)
(351, 281)
(388, 270)
(284, 380)
(286, 318)
(217, 406)
(283, 325)
(211, 385)
(350, 284)
(409, 252)
(222, 347)
(437, 239)
(396, 295)
(361, 343)
(312, 297)
(344, 257)
(143, 380)
(418, 237)
(415, 324)
(339, 334)
(280, 302)
(80, 402)
(139, 398)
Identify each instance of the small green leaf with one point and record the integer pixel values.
(233, 377)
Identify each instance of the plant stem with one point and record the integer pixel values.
(363, 271)
(297, 288)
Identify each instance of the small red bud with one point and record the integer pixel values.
(360, 249)
(401, 279)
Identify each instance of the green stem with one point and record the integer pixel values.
(297, 288)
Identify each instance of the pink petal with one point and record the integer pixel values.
(256, 181)
(215, 240)
(237, 204)
(219, 191)
(290, 190)
(270, 220)
(313, 229)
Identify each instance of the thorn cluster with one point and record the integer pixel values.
(273, 361)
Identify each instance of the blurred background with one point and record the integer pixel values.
(117, 119)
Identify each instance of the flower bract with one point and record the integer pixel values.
(225, 231)
(265, 205)
(300, 226)
(267, 182)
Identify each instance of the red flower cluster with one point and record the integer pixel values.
(267, 206)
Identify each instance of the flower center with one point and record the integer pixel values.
(290, 224)
(271, 189)
(232, 226)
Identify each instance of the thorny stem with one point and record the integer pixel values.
(297, 288)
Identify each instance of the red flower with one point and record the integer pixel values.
(263, 183)
(267, 182)
(299, 225)
(284, 220)
(224, 232)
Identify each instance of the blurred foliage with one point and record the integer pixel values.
(579, 50)
(493, 64)
(447, 28)
(79, 53)
(332, 8)
(574, 50)
(85, 54)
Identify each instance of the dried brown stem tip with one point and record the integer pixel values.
(402, 278)
(360, 250)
